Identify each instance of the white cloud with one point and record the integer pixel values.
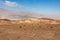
(9, 3)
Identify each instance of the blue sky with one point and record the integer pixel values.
(36, 6)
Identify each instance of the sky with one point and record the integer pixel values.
(36, 6)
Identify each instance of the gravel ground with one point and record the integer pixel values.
(15, 32)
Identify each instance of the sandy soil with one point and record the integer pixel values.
(17, 32)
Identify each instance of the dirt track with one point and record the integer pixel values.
(15, 32)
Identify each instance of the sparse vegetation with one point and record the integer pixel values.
(33, 30)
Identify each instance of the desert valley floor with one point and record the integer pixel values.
(29, 33)
(24, 32)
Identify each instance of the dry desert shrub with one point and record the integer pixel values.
(34, 23)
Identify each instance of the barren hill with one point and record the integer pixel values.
(39, 20)
(32, 20)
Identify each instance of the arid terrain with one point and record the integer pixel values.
(30, 29)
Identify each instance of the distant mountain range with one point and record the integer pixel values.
(12, 14)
